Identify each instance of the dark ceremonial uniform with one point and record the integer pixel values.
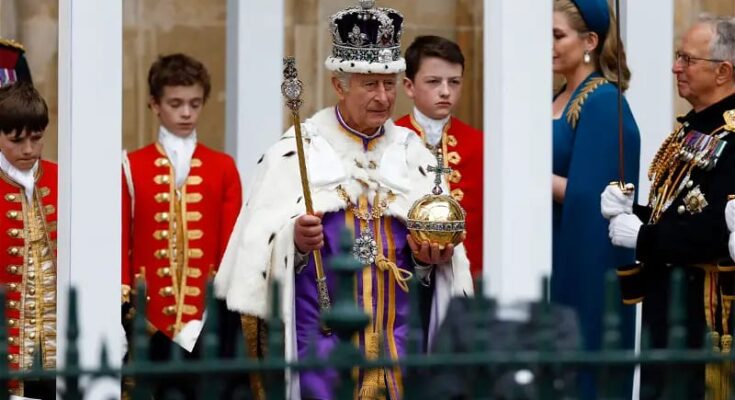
(684, 227)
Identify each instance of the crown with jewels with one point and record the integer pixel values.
(366, 40)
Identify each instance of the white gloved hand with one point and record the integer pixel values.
(123, 340)
(731, 245)
(730, 215)
(614, 202)
(624, 230)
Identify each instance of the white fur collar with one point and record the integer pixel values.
(335, 157)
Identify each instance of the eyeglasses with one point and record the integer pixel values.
(688, 60)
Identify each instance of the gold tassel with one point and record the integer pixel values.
(371, 393)
(402, 276)
(254, 336)
(726, 372)
(712, 372)
(373, 383)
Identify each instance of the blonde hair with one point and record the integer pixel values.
(605, 55)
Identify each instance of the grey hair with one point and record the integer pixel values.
(722, 46)
(344, 79)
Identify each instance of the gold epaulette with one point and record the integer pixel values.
(729, 117)
(11, 43)
(575, 107)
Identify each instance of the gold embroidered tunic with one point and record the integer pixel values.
(28, 260)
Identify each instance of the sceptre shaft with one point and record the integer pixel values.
(292, 88)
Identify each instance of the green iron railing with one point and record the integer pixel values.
(612, 364)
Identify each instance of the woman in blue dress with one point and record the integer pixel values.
(585, 161)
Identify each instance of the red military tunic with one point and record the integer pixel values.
(176, 246)
(462, 149)
(28, 268)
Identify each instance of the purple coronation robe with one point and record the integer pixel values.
(377, 294)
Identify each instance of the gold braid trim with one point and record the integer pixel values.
(11, 43)
(663, 154)
(402, 276)
(729, 117)
(254, 335)
(575, 107)
(726, 367)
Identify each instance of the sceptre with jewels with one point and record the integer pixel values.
(292, 88)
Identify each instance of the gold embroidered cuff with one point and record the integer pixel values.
(632, 284)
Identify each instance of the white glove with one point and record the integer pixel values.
(624, 229)
(730, 215)
(614, 202)
(123, 340)
(731, 245)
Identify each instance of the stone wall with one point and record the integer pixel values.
(308, 39)
(197, 27)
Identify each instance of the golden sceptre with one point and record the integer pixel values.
(292, 88)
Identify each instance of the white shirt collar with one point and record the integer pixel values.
(433, 128)
(27, 179)
(179, 151)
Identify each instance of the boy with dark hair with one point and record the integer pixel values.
(28, 236)
(180, 203)
(434, 71)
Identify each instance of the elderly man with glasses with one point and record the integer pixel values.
(682, 227)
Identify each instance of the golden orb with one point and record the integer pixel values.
(436, 218)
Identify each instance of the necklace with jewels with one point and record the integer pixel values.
(365, 248)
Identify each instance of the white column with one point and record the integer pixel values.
(90, 131)
(254, 114)
(649, 46)
(517, 115)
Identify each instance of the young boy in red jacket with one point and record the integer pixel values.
(434, 72)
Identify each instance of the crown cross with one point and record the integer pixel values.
(439, 170)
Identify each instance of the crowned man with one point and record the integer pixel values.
(365, 173)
